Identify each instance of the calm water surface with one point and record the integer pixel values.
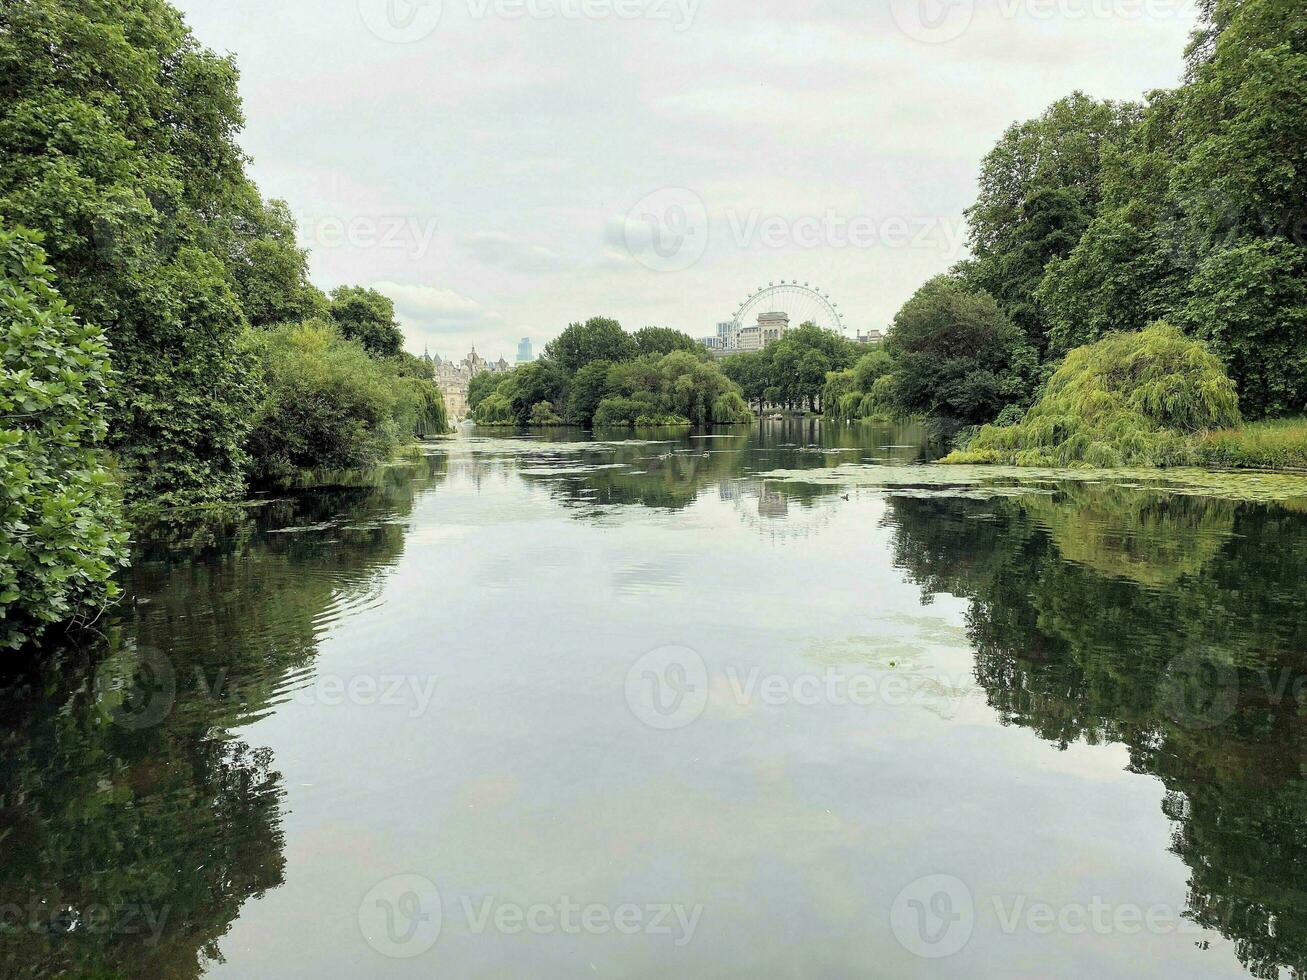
(555, 706)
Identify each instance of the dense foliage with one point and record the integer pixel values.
(329, 406)
(1127, 400)
(598, 339)
(676, 388)
(663, 340)
(1038, 188)
(60, 526)
(117, 141)
(1099, 218)
(1201, 218)
(596, 374)
(118, 145)
(791, 372)
(481, 384)
(864, 391)
(368, 317)
(958, 359)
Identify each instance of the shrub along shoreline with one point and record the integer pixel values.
(596, 374)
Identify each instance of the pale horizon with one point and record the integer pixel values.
(491, 169)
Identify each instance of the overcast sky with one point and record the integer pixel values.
(503, 167)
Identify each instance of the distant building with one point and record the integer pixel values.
(524, 354)
(871, 337)
(453, 378)
(748, 338)
(731, 337)
(773, 326)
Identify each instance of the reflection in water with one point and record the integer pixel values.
(1176, 626)
(141, 813)
(670, 471)
(134, 825)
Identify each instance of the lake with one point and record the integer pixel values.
(771, 701)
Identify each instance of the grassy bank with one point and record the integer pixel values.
(1278, 445)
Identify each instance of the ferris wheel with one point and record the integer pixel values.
(801, 302)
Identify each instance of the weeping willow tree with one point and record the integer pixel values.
(1131, 399)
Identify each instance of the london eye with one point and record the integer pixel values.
(800, 301)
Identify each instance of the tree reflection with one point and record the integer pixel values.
(135, 831)
(1176, 626)
(670, 469)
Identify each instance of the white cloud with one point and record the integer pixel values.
(506, 252)
(434, 307)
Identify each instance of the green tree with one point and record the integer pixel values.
(482, 384)
(494, 409)
(1250, 303)
(678, 388)
(542, 413)
(1244, 170)
(1123, 275)
(530, 384)
(664, 340)
(598, 339)
(367, 316)
(957, 358)
(1126, 400)
(269, 269)
(61, 537)
(861, 391)
(187, 388)
(1039, 188)
(588, 387)
(751, 371)
(1063, 148)
(329, 406)
(1201, 220)
(792, 370)
(871, 367)
(117, 141)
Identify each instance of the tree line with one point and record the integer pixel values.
(1100, 217)
(597, 374)
(163, 341)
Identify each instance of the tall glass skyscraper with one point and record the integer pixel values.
(524, 350)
